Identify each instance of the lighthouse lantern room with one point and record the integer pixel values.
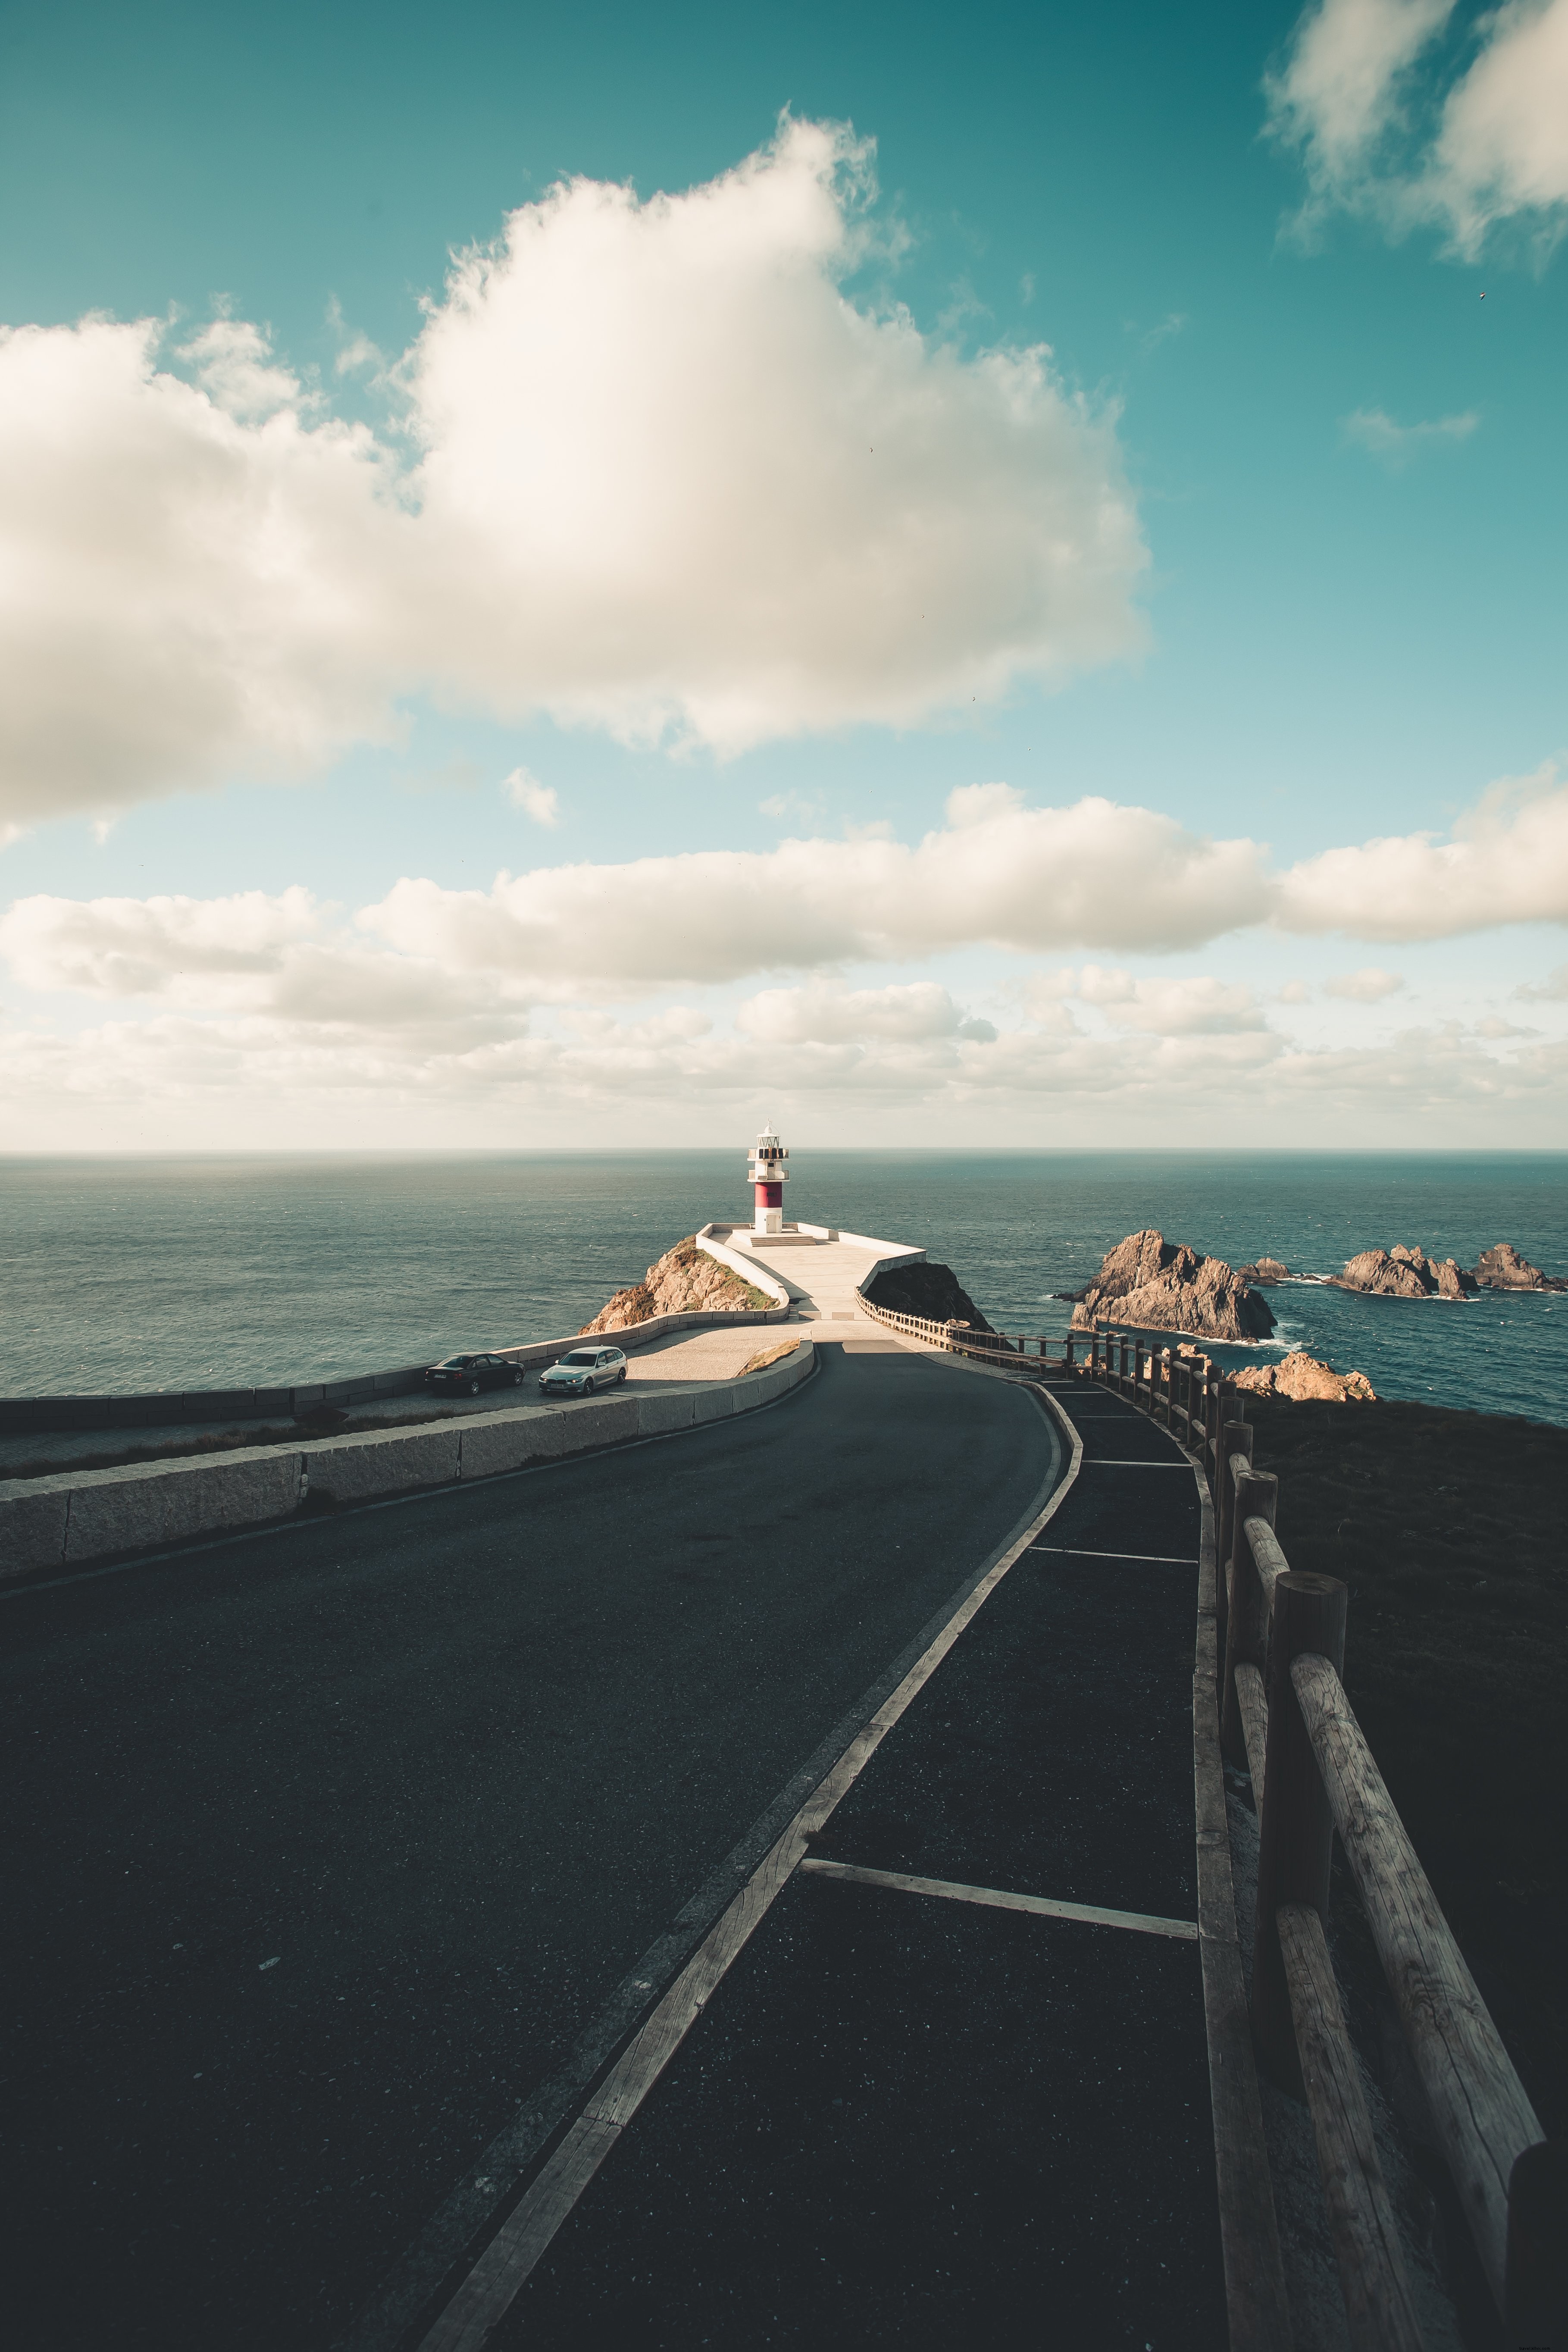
(769, 1175)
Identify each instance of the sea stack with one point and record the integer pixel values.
(1154, 1285)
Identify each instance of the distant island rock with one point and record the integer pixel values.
(1502, 1268)
(684, 1281)
(1267, 1269)
(933, 1293)
(1154, 1284)
(1403, 1272)
(1304, 1379)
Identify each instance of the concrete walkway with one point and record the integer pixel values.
(822, 1280)
(955, 2087)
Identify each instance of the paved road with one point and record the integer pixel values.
(913, 2120)
(331, 1846)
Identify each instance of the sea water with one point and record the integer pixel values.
(143, 1274)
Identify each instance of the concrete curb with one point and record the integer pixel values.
(74, 1518)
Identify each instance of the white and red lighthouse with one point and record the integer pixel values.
(769, 1175)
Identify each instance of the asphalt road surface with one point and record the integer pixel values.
(335, 1852)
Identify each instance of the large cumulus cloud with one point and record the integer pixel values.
(654, 470)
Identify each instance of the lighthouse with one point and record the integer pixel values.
(769, 1175)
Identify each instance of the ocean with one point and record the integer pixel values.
(140, 1273)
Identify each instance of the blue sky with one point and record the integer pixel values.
(1326, 609)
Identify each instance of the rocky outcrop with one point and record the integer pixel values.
(1267, 1269)
(1303, 1379)
(1154, 1285)
(684, 1281)
(931, 1292)
(1502, 1268)
(1403, 1272)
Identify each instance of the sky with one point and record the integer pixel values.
(596, 578)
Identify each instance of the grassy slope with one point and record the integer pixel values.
(1448, 1530)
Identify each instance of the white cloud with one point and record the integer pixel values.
(665, 479)
(187, 590)
(1295, 991)
(1507, 862)
(1159, 1007)
(1339, 93)
(1368, 986)
(540, 802)
(1372, 430)
(1552, 989)
(1000, 875)
(1484, 145)
(833, 1016)
(1503, 148)
(1091, 874)
(141, 947)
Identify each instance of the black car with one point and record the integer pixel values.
(467, 1375)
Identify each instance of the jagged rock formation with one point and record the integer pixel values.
(1267, 1269)
(932, 1292)
(1502, 1267)
(684, 1281)
(1401, 1273)
(1303, 1378)
(1154, 1284)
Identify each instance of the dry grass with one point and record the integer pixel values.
(1448, 1530)
(759, 1363)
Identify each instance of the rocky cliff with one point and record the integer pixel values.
(684, 1281)
(932, 1292)
(1154, 1285)
(1303, 1379)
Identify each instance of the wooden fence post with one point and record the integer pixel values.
(1235, 1437)
(1296, 1838)
(1254, 1496)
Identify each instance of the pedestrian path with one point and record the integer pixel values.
(955, 2087)
(824, 1280)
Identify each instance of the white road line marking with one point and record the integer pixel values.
(1142, 1923)
(1159, 1558)
(492, 2285)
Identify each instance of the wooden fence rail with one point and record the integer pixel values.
(1284, 1713)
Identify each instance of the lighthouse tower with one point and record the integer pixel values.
(768, 1174)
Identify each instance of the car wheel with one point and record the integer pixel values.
(473, 1388)
(516, 1380)
(590, 1388)
(622, 1373)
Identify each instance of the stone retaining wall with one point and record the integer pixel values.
(79, 1516)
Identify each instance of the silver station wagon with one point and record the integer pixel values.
(581, 1371)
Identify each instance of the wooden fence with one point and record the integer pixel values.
(1285, 1714)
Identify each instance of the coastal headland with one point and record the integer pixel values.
(718, 1602)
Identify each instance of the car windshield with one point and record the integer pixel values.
(454, 1363)
(580, 1355)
